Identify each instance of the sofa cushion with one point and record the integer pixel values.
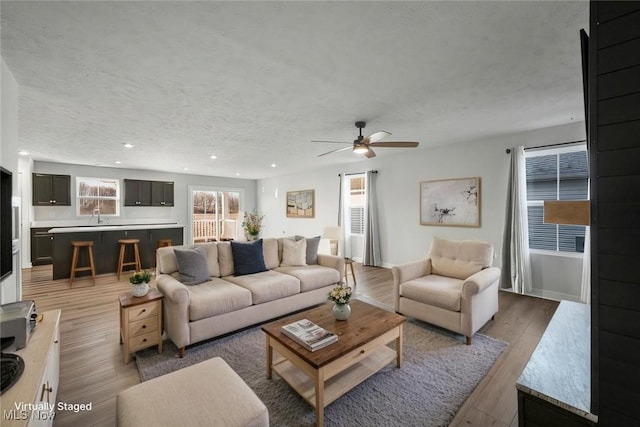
(459, 258)
(225, 258)
(211, 250)
(192, 265)
(267, 286)
(247, 257)
(312, 248)
(312, 276)
(270, 252)
(215, 297)
(294, 253)
(440, 291)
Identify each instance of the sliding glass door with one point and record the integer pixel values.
(215, 215)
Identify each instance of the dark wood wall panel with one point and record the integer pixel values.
(623, 189)
(616, 241)
(620, 321)
(620, 294)
(619, 135)
(616, 9)
(621, 29)
(619, 109)
(618, 215)
(619, 162)
(621, 268)
(614, 149)
(620, 56)
(619, 82)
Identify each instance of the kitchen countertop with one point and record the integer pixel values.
(91, 228)
(92, 222)
(559, 370)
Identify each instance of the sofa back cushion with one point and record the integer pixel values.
(248, 257)
(459, 258)
(225, 259)
(166, 262)
(270, 253)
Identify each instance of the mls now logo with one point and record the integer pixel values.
(15, 415)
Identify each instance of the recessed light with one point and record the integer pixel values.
(117, 162)
(273, 165)
(185, 169)
(237, 173)
(23, 153)
(127, 145)
(213, 156)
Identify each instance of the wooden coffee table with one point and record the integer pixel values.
(324, 375)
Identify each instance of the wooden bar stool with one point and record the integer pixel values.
(136, 253)
(74, 260)
(163, 243)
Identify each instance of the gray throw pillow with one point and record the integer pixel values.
(312, 249)
(192, 265)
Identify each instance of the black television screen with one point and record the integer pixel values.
(6, 224)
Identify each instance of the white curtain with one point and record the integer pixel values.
(585, 288)
(345, 249)
(516, 262)
(372, 254)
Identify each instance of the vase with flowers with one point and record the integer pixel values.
(252, 224)
(140, 283)
(340, 295)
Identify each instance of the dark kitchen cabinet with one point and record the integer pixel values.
(137, 192)
(51, 190)
(161, 193)
(41, 246)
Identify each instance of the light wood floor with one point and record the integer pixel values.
(92, 367)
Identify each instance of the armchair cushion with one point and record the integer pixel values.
(439, 291)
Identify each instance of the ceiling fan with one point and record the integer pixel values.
(363, 144)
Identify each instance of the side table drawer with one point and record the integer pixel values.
(143, 341)
(144, 326)
(142, 311)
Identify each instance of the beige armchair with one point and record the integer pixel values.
(455, 287)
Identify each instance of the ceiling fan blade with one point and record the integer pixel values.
(377, 136)
(335, 142)
(369, 153)
(334, 151)
(395, 144)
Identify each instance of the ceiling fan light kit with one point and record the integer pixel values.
(362, 145)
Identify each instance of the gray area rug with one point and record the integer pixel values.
(438, 374)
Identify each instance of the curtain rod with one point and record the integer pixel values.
(357, 173)
(550, 145)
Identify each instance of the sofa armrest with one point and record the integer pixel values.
(480, 281)
(176, 309)
(409, 271)
(332, 261)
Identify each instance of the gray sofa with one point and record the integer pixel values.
(227, 302)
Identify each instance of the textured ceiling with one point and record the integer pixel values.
(254, 82)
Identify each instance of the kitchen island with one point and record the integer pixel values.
(106, 247)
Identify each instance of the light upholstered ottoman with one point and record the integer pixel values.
(209, 393)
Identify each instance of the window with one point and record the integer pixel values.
(556, 174)
(356, 204)
(216, 215)
(98, 195)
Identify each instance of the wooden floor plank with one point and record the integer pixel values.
(92, 368)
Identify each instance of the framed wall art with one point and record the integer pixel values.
(301, 204)
(453, 202)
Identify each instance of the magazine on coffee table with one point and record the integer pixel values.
(309, 335)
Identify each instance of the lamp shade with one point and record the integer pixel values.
(332, 233)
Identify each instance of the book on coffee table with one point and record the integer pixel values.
(309, 335)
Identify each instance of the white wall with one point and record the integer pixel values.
(9, 160)
(399, 176)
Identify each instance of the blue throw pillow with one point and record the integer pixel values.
(247, 257)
